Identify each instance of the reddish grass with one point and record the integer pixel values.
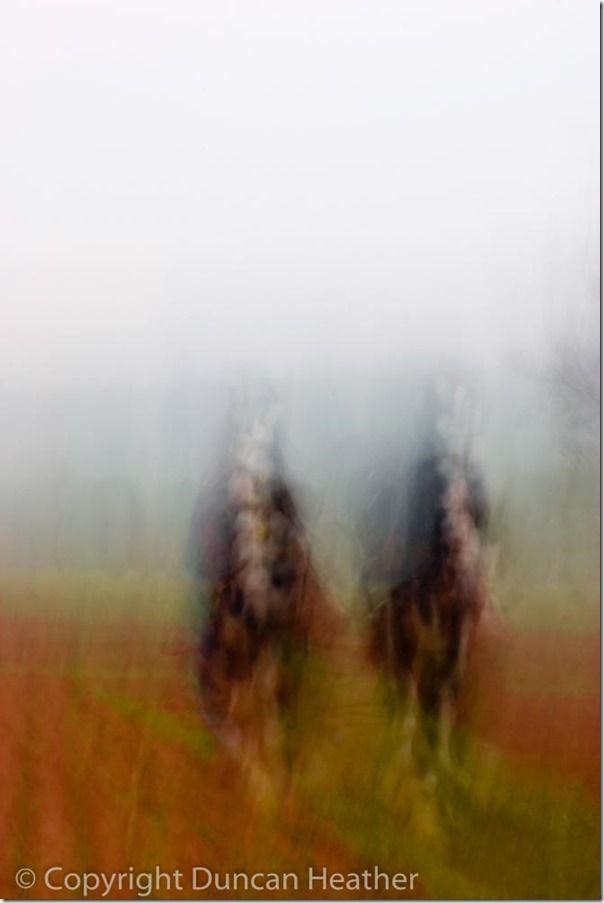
(84, 785)
(535, 695)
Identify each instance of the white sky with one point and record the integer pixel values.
(190, 186)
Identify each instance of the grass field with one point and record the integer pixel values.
(106, 764)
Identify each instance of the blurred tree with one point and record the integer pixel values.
(574, 379)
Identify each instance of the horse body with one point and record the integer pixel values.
(423, 630)
(261, 611)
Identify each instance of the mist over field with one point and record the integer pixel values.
(105, 480)
(300, 448)
(338, 205)
(341, 205)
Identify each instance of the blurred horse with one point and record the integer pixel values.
(263, 606)
(422, 630)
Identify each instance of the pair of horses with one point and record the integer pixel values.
(264, 602)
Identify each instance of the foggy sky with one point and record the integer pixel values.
(190, 187)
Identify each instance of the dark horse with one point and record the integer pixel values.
(262, 600)
(421, 631)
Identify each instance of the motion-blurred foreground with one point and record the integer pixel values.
(358, 627)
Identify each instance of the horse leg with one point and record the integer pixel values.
(430, 713)
(455, 668)
(403, 648)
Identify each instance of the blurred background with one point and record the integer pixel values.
(339, 201)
